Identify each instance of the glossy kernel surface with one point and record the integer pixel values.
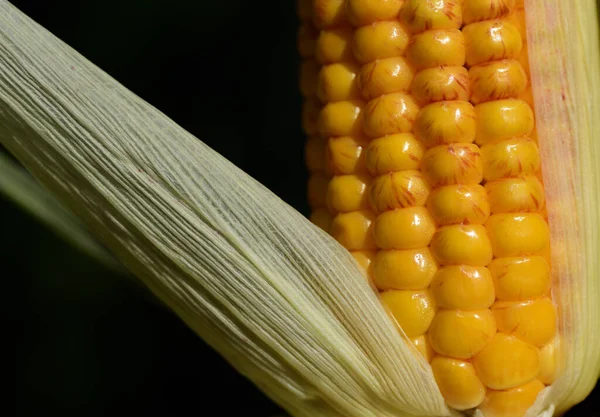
(389, 114)
(520, 278)
(340, 118)
(514, 195)
(456, 163)
(419, 15)
(440, 84)
(406, 228)
(435, 48)
(379, 40)
(392, 153)
(446, 122)
(364, 12)
(491, 40)
(478, 10)
(463, 287)
(413, 310)
(398, 190)
(513, 402)
(503, 119)
(455, 204)
(510, 158)
(354, 230)
(518, 234)
(334, 45)
(410, 269)
(462, 244)
(458, 382)
(347, 193)
(385, 76)
(337, 82)
(533, 321)
(497, 80)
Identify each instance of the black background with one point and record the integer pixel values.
(88, 342)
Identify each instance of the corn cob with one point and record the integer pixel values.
(440, 196)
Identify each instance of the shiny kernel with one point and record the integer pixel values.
(379, 40)
(329, 13)
(463, 287)
(310, 116)
(317, 190)
(392, 153)
(478, 10)
(364, 259)
(515, 195)
(306, 40)
(446, 122)
(457, 382)
(441, 84)
(513, 402)
(411, 269)
(549, 362)
(520, 278)
(398, 190)
(503, 119)
(412, 310)
(345, 155)
(389, 114)
(314, 154)
(491, 40)
(419, 15)
(457, 163)
(385, 76)
(341, 118)
(354, 230)
(462, 244)
(407, 228)
(510, 158)
(461, 334)
(347, 193)
(518, 234)
(455, 204)
(517, 19)
(364, 12)
(423, 347)
(337, 82)
(533, 321)
(334, 45)
(435, 48)
(507, 362)
(497, 80)
(309, 71)
(321, 218)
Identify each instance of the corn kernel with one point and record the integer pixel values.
(329, 13)
(456, 163)
(510, 158)
(317, 190)
(413, 310)
(354, 230)
(398, 190)
(345, 155)
(441, 84)
(411, 269)
(503, 119)
(314, 154)
(341, 118)
(321, 218)
(517, 234)
(310, 116)
(454, 204)
(462, 244)
(379, 40)
(478, 10)
(364, 260)
(513, 195)
(407, 228)
(513, 402)
(497, 80)
(533, 321)
(435, 48)
(457, 382)
(391, 153)
(491, 40)
(419, 15)
(548, 365)
(385, 76)
(309, 71)
(337, 82)
(389, 114)
(446, 122)
(364, 12)
(463, 287)
(347, 193)
(461, 334)
(507, 362)
(306, 40)
(334, 45)
(423, 347)
(520, 278)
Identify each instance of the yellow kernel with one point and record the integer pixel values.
(345, 155)
(354, 230)
(513, 402)
(306, 40)
(413, 310)
(385, 76)
(337, 82)
(463, 287)
(478, 10)
(341, 118)
(520, 278)
(419, 15)
(389, 114)
(423, 347)
(317, 190)
(517, 234)
(456, 163)
(314, 154)
(407, 228)
(462, 244)
(517, 19)
(461, 334)
(497, 80)
(507, 362)
(391, 153)
(364, 259)
(347, 193)
(457, 382)
(435, 48)
(398, 190)
(454, 204)
(441, 84)
(364, 12)
(411, 269)
(310, 116)
(533, 321)
(491, 40)
(309, 71)
(514, 195)
(510, 158)
(446, 122)
(328, 13)
(334, 45)
(321, 218)
(304, 9)
(502, 119)
(379, 40)
(549, 362)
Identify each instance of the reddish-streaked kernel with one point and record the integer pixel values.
(347, 193)
(435, 48)
(515, 195)
(478, 10)
(341, 118)
(462, 245)
(337, 82)
(398, 190)
(463, 287)
(446, 122)
(321, 218)
(491, 40)
(364, 12)
(411, 269)
(379, 40)
(317, 190)
(413, 310)
(419, 15)
(306, 40)
(497, 80)
(309, 71)
(345, 155)
(314, 154)
(407, 228)
(334, 45)
(456, 163)
(513, 402)
(502, 120)
(423, 347)
(458, 382)
(533, 321)
(329, 13)
(441, 84)
(510, 158)
(398, 152)
(509, 273)
(385, 76)
(518, 234)
(389, 114)
(454, 204)
(354, 230)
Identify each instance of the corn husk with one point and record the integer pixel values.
(277, 297)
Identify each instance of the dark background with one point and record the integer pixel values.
(88, 342)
